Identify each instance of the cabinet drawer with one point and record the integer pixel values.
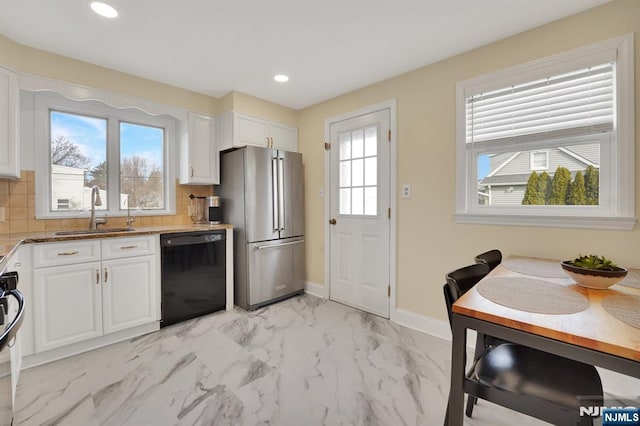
(115, 248)
(57, 254)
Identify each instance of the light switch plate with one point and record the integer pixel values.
(406, 190)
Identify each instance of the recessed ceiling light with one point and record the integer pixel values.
(281, 78)
(104, 9)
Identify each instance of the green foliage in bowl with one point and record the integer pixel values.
(597, 263)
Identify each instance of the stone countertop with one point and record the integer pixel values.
(9, 242)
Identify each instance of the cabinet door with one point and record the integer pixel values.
(250, 131)
(9, 166)
(284, 137)
(200, 155)
(129, 294)
(67, 305)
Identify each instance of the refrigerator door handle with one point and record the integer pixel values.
(281, 194)
(275, 197)
(279, 245)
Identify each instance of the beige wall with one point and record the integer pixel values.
(39, 62)
(250, 105)
(430, 243)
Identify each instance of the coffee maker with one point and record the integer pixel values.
(214, 212)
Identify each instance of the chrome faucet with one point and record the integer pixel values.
(95, 201)
(130, 219)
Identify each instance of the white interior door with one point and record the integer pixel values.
(359, 206)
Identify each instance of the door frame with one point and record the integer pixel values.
(391, 105)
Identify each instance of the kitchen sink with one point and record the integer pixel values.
(94, 231)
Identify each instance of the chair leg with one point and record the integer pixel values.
(471, 401)
(446, 415)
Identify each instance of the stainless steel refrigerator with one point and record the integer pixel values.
(262, 195)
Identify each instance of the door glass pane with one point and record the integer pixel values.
(357, 172)
(345, 201)
(141, 166)
(371, 171)
(345, 146)
(78, 160)
(370, 141)
(345, 173)
(371, 201)
(357, 200)
(357, 138)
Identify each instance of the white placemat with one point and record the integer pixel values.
(632, 279)
(533, 295)
(624, 307)
(536, 267)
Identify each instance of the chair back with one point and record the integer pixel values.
(491, 258)
(460, 281)
(449, 299)
(463, 279)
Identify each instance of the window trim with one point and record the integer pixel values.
(620, 214)
(532, 165)
(46, 101)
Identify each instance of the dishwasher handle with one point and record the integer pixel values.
(190, 238)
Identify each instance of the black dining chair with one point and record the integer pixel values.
(527, 380)
(460, 281)
(492, 258)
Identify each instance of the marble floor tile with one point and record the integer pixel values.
(303, 361)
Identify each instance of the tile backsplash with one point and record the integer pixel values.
(18, 198)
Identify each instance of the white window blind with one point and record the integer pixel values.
(570, 104)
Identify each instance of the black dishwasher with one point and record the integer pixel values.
(193, 274)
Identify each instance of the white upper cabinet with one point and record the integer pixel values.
(199, 160)
(237, 130)
(284, 137)
(9, 103)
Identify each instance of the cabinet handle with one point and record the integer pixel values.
(128, 247)
(271, 142)
(191, 171)
(68, 253)
(106, 275)
(97, 276)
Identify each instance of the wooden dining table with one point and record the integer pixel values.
(592, 336)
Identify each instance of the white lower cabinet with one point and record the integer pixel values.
(67, 304)
(128, 293)
(80, 301)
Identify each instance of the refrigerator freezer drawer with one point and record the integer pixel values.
(276, 269)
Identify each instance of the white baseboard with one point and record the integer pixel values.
(428, 325)
(314, 289)
(422, 323)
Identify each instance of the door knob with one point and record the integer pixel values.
(332, 221)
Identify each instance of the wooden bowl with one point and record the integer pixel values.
(593, 278)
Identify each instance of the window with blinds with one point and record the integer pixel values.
(570, 104)
(545, 141)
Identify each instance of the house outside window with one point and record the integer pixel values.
(121, 151)
(549, 143)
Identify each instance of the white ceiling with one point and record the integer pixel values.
(327, 47)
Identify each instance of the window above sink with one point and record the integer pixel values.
(125, 152)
